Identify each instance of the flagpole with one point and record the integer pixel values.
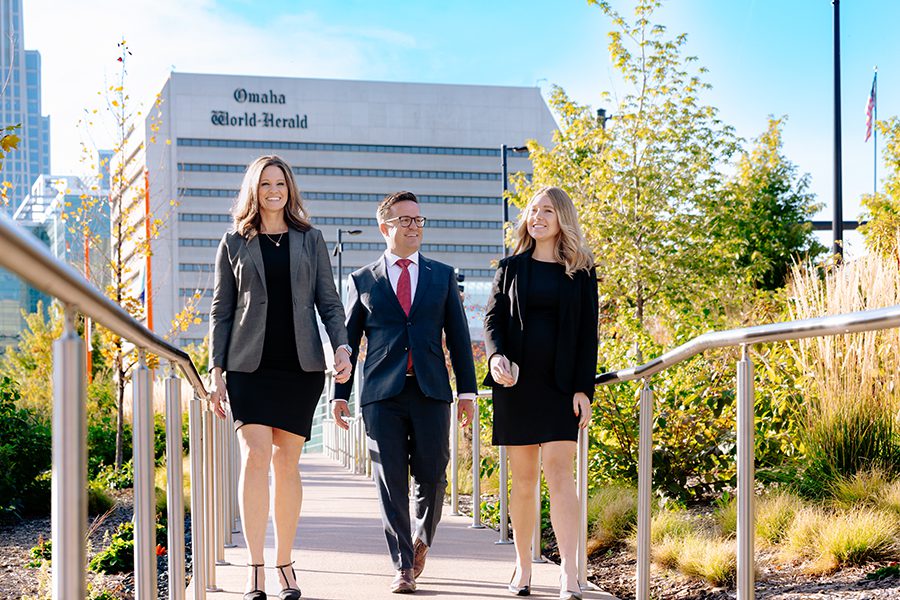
(875, 134)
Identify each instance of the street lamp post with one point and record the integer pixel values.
(504, 150)
(339, 252)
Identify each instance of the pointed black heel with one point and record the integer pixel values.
(525, 590)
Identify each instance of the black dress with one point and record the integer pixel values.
(535, 410)
(279, 393)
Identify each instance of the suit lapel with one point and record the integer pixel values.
(256, 256)
(297, 247)
(423, 283)
(383, 284)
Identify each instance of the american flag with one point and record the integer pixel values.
(870, 110)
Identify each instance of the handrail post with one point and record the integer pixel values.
(209, 514)
(228, 438)
(745, 476)
(174, 487)
(536, 556)
(69, 481)
(476, 469)
(235, 475)
(504, 497)
(219, 489)
(454, 464)
(144, 494)
(198, 498)
(645, 477)
(582, 482)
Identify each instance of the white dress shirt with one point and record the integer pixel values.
(394, 271)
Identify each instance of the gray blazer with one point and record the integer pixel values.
(237, 320)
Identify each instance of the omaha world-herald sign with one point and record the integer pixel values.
(263, 118)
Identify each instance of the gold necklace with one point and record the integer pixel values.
(276, 242)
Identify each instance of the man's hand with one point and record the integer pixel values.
(342, 366)
(340, 409)
(465, 412)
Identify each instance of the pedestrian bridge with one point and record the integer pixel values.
(340, 551)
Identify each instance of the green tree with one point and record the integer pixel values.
(30, 362)
(882, 231)
(766, 213)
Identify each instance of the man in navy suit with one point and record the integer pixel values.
(405, 303)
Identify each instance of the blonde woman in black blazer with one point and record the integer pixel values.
(272, 273)
(541, 339)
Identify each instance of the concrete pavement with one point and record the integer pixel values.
(340, 551)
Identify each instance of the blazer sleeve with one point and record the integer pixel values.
(221, 314)
(328, 302)
(586, 348)
(459, 343)
(496, 316)
(356, 324)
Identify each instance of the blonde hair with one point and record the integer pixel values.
(245, 211)
(571, 249)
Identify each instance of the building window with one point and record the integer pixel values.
(346, 197)
(196, 267)
(346, 172)
(204, 217)
(198, 242)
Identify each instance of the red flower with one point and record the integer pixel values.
(160, 549)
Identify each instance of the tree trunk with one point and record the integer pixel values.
(120, 412)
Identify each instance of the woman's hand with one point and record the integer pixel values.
(218, 396)
(581, 405)
(500, 370)
(342, 365)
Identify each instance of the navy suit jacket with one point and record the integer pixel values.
(373, 309)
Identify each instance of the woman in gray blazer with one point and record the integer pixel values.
(272, 273)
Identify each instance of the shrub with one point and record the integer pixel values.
(102, 443)
(98, 499)
(669, 524)
(801, 540)
(858, 536)
(864, 487)
(667, 552)
(774, 514)
(725, 515)
(889, 498)
(118, 556)
(612, 514)
(25, 447)
(711, 559)
(40, 553)
(109, 478)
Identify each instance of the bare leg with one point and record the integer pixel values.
(558, 460)
(525, 471)
(288, 496)
(256, 455)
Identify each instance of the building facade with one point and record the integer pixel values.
(349, 142)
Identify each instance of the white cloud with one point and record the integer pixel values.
(77, 41)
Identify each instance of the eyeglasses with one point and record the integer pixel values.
(408, 221)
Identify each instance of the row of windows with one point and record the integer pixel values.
(209, 267)
(477, 248)
(190, 292)
(330, 147)
(346, 172)
(198, 242)
(196, 267)
(185, 342)
(204, 217)
(349, 197)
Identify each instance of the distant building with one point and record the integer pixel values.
(350, 143)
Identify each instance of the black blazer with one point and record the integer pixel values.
(576, 344)
(373, 309)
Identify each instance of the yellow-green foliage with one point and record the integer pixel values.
(612, 514)
(725, 516)
(864, 487)
(774, 514)
(857, 536)
(889, 498)
(673, 524)
(666, 552)
(711, 559)
(802, 536)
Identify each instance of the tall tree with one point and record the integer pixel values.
(765, 213)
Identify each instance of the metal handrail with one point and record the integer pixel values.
(865, 320)
(855, 322)
(211, 490)
(25, 255)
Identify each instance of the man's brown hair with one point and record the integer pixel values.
(392, 199)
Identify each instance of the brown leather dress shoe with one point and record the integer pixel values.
(419, 552)
(404, 582)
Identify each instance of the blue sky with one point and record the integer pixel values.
(766, 57)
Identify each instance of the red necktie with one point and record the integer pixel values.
(404, 295)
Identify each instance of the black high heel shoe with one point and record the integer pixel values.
(288, 593)
(256, 593)
(525, 590)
